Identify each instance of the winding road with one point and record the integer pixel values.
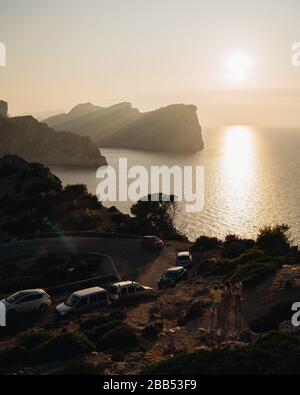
(126, 256)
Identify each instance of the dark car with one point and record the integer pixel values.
(172, 276)
(152, 243)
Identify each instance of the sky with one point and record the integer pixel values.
(232, 58)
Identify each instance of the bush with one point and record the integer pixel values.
(61, 347)
(119, 338)
(293, 258)
(97, 333)
(274, 240)
(204, 243)
(33, 339)
(271, 321)
(233, 250)
(273, 354)
(14, 356)
(231, 238)
(214, 268)
(254, 272)
(81, 220)
(249, 256)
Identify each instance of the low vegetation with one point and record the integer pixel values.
(250, 261)
(48, 270)
(270, 321)
(274, 353)
(39, 349)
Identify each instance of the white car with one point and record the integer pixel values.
(184, 259)
(128, 289)
(31, 300)
(80, 301)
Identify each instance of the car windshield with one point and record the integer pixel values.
(72, 300)
(15, 297)
(171, 274)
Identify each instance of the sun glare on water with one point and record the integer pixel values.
(238, 153)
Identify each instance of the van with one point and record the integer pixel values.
(80, 301)
(128, 289)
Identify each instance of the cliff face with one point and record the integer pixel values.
(36, 142)
(174, 128)
(3, 109)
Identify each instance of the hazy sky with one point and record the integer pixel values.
(153, 53)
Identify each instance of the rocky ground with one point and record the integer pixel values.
(173, 321)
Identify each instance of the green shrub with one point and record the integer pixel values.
(233, 250)
(14, 357)
(119, 338)
(102, 319)
(271, 321)
(274, 240)
(33, 339)
(274, 353)
(204, 243)
(96, 334)
(249, 256)
(232, 238)
(293, 258)
(61, 347)
(254, 272)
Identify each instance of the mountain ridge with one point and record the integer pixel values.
(172, 128)
(35, 141)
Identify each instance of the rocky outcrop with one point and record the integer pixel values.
(3, 109)
(36, 142)
(173, 128)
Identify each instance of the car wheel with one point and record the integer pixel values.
(43, 308)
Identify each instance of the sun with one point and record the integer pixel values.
(238, 66)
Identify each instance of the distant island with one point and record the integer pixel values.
(37, 142)
(174, 128)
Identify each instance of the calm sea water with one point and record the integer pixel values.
(252, 179)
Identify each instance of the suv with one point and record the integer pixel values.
(128, 289)
(31, 300)
(153, 243)
(172, 276)
(86, 299)
(184, 259)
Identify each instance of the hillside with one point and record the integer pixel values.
(174, 128)
(32, 199)
(36, 142)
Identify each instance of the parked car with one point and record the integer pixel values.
(27, 301)
(184, 259)
(153, 243)
(128, 289)
(86, 299)
(172, 276)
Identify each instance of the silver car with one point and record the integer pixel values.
(30, 300)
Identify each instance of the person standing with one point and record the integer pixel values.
(238, 290)
(227, 302)
(216, 299)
